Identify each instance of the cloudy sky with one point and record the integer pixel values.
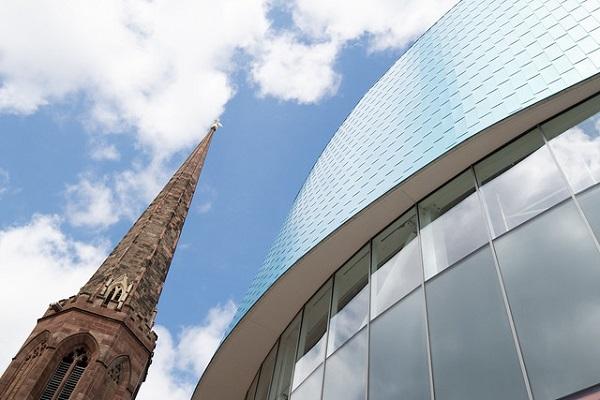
(101, 100)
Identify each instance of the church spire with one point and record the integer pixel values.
(99, 343)
(133, 275)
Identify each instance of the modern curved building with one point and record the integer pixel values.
(446, 243)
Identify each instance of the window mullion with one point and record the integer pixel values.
(508, 310)
(63, 380)
(425, 312)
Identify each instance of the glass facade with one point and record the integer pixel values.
(266, 375)
(452, 224)
(398, 366)
(528, 163)
(350, 304)
(284, 366)
(396, 263)
(345, 370)
(551, 269)
(472, 348)
(486, 289)
(311, 347)
(589, 203)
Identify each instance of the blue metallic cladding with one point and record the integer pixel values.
(483, 61)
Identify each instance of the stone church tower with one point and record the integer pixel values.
(99, 343)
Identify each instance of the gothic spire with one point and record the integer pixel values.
(132, 277)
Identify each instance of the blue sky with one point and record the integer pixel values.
(99, 105)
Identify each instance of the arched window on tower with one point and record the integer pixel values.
(114, 372)
(117, 378)
(118, 294)
(63, 381)
(114, 294)
(28, 363)
(116, 291)
(109, 296)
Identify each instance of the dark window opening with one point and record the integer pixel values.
(66, 375)
(109, 296)
(114, 372)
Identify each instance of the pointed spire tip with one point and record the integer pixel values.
(216, 124)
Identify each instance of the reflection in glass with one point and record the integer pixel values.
(346, 371)
(590, 204)
(452, 224)
(519, 182)
(311, 387)
(396, 263)
(350, 305)
(252, 389)
(266, 374)
(311, 348)
(472, 349)
(575, 139)
(398, 368)
(551, 270)
(280, 389)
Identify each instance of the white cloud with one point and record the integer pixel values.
(290, 70)
(176, 367)
(198, 343)
(207, 195)
(160, 67)
(204, 207)
(91, 204)
(39, 264)
(99, 202)
(103, 151)
(577, 151)
(162, 381)
(387, 23)
(135, 187)
(163, 68)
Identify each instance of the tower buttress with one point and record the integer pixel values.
(98, 344)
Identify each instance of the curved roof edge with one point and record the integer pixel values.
(235, 363)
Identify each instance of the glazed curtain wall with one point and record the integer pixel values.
(488, 288)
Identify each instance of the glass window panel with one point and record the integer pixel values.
(266, 374)
(282, 378)
(311, 348)
(519, 181)
(346, 371)
(350, 304)
(452, 224)
(575, 139)
(396, 263)
(398, 368)
(590, 204)
(551, 270)
(252, 390)
(472, 348)
(311, 387)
